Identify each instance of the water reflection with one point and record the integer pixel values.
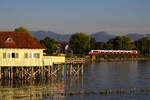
(97, 76)
(37, 89)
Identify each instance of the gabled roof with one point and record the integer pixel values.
(20, 40)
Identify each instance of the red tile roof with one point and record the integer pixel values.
(19, 40)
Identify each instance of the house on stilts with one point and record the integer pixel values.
(21, 56)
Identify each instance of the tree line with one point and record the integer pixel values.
(80, 43)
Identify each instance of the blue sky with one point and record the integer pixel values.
(70, 16)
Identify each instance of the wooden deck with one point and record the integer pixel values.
(75, 60)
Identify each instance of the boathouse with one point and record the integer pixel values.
(21, 49)
(21, 57)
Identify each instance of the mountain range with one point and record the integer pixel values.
(99, 36)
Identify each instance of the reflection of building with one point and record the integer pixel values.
(52, 91)
(64, 47)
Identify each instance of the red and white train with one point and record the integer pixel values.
(120, 52)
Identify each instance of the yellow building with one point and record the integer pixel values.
(21, 49)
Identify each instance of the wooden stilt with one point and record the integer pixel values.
(22, 73)
(70, 70)
(0, 73)
(82, 69)
(51, 69)
(42, 73)
(39, 73)
(62, 69)
(11, 73)
(4, 73)
(78, 69)
(32, 72)
(48, 72)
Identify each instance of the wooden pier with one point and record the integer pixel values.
(65, 70)
(75, 60)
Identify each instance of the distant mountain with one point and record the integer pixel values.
(102, 36)
(42, 34)
(147, 35)
(99, 36)
(136, 36)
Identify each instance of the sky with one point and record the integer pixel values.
(70, 16)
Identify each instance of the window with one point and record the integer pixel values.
(32, 55)
(10, 55)
(36, 55)
(9, 40)
(13, 55)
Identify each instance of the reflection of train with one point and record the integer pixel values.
(121, 52)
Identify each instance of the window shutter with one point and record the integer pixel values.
(34, 55)
(26, 55)
(38, 55)
(16, 55)
(4, 55)
(8, 55)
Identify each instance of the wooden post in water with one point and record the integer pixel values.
(0, 72)
(70, 70)
(55, 68)
(62, 65)
(22, 69)
(39, 71)
(51, 69)
(9, 71)
(12, 73)
(67, 70)
(48, 75)
(20, 72)
(78, 70)
(42, 73)
(82, 69)
(32, 72)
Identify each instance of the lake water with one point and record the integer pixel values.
(97, 76)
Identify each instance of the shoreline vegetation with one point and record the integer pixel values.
(109, 58)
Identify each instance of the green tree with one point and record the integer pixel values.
(79, 43)
(21, 29)
(100, 45)
(92, 43)
(120, 43)
(143, 45)
(50, 44)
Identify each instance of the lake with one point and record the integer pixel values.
(97, 77)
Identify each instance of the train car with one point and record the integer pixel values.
(110, 52)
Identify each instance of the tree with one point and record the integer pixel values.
(120, 43)
(50, 44)
(143, 45)
(79, 43)
(92, 43)
(100, 45)
(21, 29)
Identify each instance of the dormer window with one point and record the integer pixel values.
(9, 40)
